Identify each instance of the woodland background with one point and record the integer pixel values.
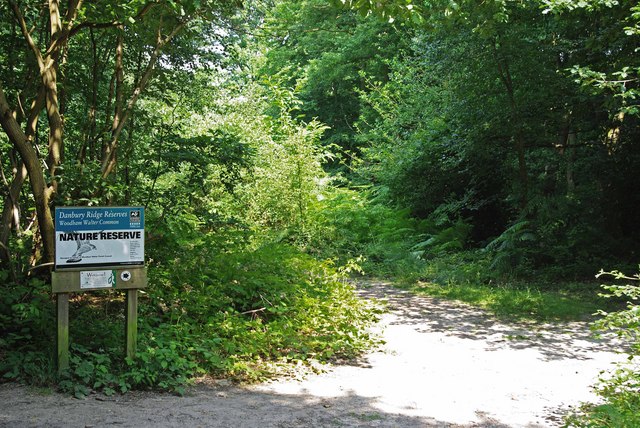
(484, 151)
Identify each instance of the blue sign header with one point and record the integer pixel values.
(99, 236)
(77, 219)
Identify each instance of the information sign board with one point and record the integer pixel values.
(97, 279)
(99, 236)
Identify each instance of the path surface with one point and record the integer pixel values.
(443, 365)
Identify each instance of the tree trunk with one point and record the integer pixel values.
(119, 97)
(505, 77)
(41, 192)
(11, 209)
(109, 160)
(49, 79)
(49, 72)
(570, 153)
(90, 130)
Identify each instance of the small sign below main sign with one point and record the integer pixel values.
(99, 236)
(97, 279)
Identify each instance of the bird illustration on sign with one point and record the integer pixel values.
(83, 246)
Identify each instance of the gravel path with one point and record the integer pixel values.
(444, 364)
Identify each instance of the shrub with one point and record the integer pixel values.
(620, 389)
(207, 311)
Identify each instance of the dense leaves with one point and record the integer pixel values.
(229, 178)
(621, 388)
(449, 144)
(328, 55)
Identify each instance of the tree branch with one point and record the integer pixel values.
(112, 24)
(25, 32)
(108, 163)
(94, 25)
(72, 11)
(41, 192)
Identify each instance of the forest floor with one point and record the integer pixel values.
(443, 364)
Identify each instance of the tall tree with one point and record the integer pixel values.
(546, 100)
(50, 33)
(327, 55)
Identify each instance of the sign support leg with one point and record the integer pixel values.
(131, 322)
(63, 331)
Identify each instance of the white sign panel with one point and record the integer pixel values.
(97, 279)
(99, 236)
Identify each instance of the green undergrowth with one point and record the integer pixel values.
(619, 388)
(429, 256)
(244, 315)
(465, 277)
(621, 408)
(518, 301)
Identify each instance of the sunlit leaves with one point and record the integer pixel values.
(623, 85)
(619, 43)
(112, 10)
(569, 5)
(397, 10)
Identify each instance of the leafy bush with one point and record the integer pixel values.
(462, 267)
(389, 241)
(620, 389)
(27, 314)
(447, 239)
(353, 224)
(217, 304)
(514, 249)
(286, 302)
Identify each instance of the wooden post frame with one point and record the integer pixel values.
(62, 300)
(98, 248)
(129, 279)
(131, 323)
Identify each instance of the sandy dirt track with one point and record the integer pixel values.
(444, 364)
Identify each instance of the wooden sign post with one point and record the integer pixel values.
(98, 248)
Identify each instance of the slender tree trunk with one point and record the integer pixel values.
(11, 209)
(109, 160)
(41, 192)
(119, 97)
(567, 141)
(519, 139)
(570, 154)
(55, 123)
(90, 133)
(11, 215)
(49, 72)
(107, 121)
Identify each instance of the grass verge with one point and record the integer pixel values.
(569, 302)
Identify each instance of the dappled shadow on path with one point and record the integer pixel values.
(558, 340)
(206, 406)
(434, 372)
